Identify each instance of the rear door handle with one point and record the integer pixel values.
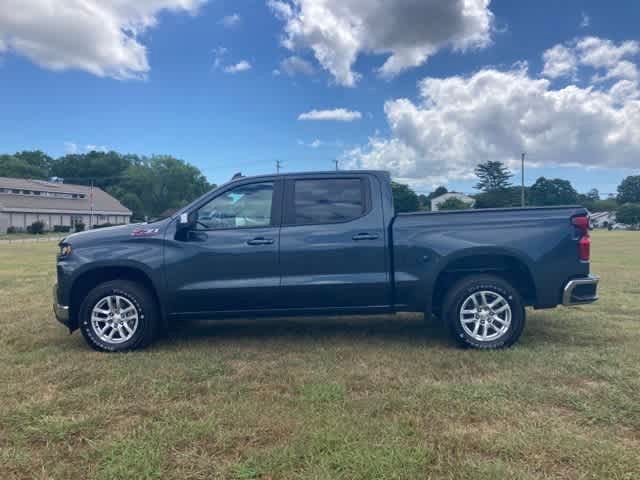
(260, 241)
(365, 236)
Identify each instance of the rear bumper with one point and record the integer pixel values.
(61, 311)
(580, 291)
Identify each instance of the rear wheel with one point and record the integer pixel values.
(485, 312)
(117, 316)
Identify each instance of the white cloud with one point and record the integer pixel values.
(72, 148)
(338, 115)
(296, 65)
(585, 21)
(96, 148)
(592, 52)
(601, 53)
(559, 61)
(98, 36)
(231, 21)
(219, 54)
(408, 31)
(495, 115)
(317, 143)
(241, 66)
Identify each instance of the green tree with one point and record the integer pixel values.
(593, 194)
(453, 203)
(437, 192)
(629, 190)
(425, 200)
(629, 214)
(147, 186)
(131, 201)
(508, 197)
(404, 198)
(105, 169)
(160, 183)
(552, 192)
(492, 176)
(27, 164)
(606, 205)
(591, 200)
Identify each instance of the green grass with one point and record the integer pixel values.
(323, 398)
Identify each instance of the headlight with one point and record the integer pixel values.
(65, 250)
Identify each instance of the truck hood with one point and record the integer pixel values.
(120, 232)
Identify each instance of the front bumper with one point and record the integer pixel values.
(580, 291)
(61, 311)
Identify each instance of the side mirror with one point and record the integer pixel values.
(187, 221)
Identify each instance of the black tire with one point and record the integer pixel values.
(462, 290)
(139, 297)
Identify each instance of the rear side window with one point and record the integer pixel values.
(327, 201)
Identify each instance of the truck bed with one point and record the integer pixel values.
(540, 242)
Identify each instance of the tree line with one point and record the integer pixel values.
(495, 190)
(151, 186)
(148, 186)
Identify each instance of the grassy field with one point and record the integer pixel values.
(348, 398)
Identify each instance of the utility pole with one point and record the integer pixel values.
(522, 173)
(278, 165)
(336, 162)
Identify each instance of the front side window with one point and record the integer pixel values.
(242, 207)
(327, 201)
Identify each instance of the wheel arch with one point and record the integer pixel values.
(504, 264)
(90, 278)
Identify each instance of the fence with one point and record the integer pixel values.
(33, 239)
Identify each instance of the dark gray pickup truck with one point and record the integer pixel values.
(322, 244)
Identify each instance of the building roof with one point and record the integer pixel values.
(103, 203)
(447, 195)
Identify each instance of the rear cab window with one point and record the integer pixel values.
(317, 201)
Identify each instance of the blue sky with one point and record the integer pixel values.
(181, 95)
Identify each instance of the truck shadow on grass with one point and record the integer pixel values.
(405, 328)
(542, 330)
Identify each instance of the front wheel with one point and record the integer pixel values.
(117, 316)
(485, 312)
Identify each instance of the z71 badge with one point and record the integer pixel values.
(145, 232)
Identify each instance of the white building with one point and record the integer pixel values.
(23, 202)
(435, 202)
(602, 219)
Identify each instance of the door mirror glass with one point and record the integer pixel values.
(186, 221)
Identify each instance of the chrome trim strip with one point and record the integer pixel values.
(572, 284)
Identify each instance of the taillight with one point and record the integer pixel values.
(584, 244)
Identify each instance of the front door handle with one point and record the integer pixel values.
(260, 241)
(365, 236)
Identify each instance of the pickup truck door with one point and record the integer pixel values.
(229, 260)
(333, 244)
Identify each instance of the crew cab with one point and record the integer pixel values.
(322, 244)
